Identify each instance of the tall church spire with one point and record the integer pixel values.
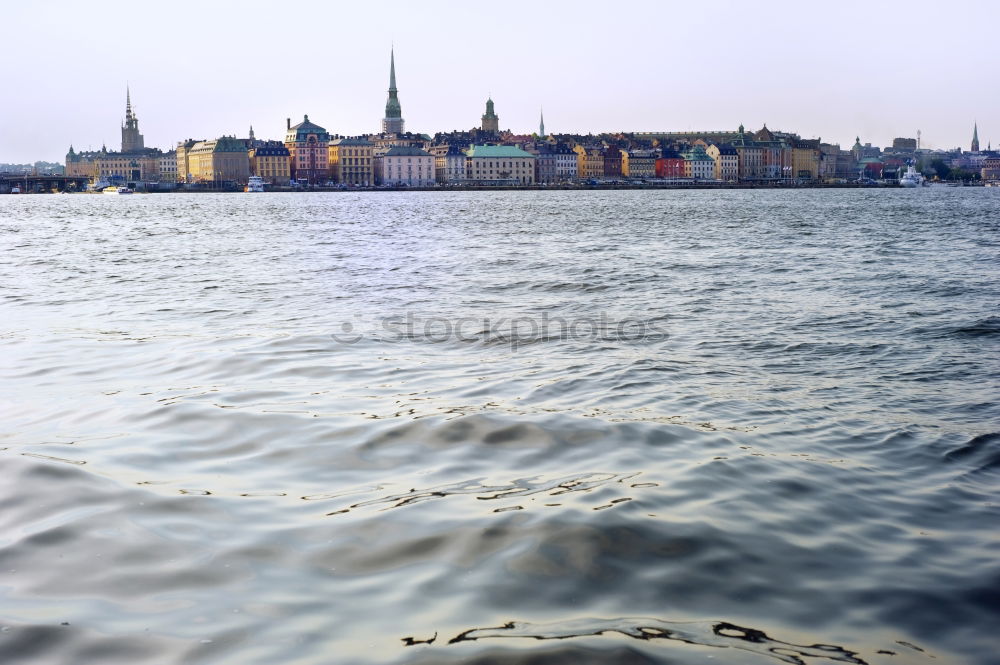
(975, 137)
(392, 69)
(131, 138)
(392, 123)
(541, 122)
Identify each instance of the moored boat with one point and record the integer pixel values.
(117, 190)
(911, 178)
(254, 184)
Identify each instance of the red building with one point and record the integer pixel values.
(612, 162)
(670, 165)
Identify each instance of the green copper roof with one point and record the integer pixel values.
(490, 113)
(301, 131)
(392, 106)
(406, 151)
(497, 151)
(229, 144)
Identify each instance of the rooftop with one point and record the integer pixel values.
(406, 151)
(497, 151)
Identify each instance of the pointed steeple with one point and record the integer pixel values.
(541, 122)
(132, 140)
(392, 123)
(975, 137)
(392, 69)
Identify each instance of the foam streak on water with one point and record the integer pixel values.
(523, 427)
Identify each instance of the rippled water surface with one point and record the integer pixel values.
(688, 427)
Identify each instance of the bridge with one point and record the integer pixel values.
(41, 184)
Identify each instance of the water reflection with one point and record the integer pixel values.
(720, 634)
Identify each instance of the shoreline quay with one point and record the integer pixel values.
(534, 188)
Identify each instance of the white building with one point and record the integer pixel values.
(727, 162)
(405, 166)
(698, 165)
(449, 164)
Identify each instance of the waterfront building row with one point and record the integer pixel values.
(310, 154)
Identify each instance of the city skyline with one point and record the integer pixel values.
(444, 78)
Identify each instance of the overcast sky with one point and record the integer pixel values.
(203, 69)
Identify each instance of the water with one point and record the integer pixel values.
(750, 427)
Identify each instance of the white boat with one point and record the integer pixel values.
(254, 184)
(911, 178)
(117, 190)
(15, 190)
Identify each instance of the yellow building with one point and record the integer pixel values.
(589, 162)
(131, 167)
(351, 161)
(83, 163)
(638, 163)
(271, 161)
(183, 163)
(805, 160)
(500, 165)
(219, 161)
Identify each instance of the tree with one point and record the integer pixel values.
(940, 168)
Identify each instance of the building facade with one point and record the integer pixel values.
(449, 163)
(84, 163)
(222, 161)
(639, 163)
(697, 164)
(806, 159)
(554, 162)
(612, 162)
(307, 149)
(272, 161)
(500, 165)
(589, 162)
(130, 167)
(405, 166)
(750, 155)
(727, 162)
(990, 170)
(351, 161)
(168, 166)
(669, 164)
